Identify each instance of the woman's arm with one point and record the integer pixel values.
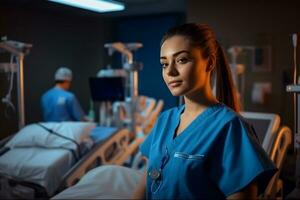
(140, 191)
(250, 192)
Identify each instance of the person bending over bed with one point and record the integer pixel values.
(202, 149)
(59, 104)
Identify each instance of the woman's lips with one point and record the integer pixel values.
(174, 83)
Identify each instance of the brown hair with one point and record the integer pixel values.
(203, 37)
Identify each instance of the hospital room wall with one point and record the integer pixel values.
(59, 39)
(149, 30)
(257, 23)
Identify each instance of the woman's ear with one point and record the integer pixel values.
(211, 63)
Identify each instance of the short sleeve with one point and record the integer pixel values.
(238, 159)
(76, 111)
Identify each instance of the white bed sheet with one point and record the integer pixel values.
(33, 135)
(45, 168)
(104, 182)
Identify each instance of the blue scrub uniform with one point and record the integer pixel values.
(60, 105)
(215, 156)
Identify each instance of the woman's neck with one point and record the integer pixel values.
(195, 104)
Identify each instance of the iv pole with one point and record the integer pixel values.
(19, 50)
(238, 70)
(132, 69)
(295, 89)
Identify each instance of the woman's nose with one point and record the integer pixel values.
(172, 70)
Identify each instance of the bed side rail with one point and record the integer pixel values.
(106, 152)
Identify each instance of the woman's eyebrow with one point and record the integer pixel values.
(175, 54)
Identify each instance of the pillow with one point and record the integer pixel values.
(35, 135)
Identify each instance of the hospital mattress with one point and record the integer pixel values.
(42, 153)
(51, 163)
(44, 168)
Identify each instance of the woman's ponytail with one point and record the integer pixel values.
(226, 91)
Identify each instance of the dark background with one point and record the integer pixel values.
(66, 36)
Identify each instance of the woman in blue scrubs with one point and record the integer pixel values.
(203, 149)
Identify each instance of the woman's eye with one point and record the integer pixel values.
(164, 65)
(182, 60)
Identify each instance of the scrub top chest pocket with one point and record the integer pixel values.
(185, 164)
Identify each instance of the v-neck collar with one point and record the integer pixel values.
(197, 120)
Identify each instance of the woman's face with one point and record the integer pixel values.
(183, 67)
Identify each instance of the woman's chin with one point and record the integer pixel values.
(176, 93)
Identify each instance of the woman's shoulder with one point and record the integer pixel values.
(228, 115)
(233, 124)
(224, 112)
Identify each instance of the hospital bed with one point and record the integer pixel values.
(34, 163)
(124, 152)
(91, 186)
(39, 164)
(121, 180)
(278, 153)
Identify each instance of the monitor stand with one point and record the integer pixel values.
(295, 194)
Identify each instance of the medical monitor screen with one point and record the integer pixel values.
(261, 127)
(107, 88)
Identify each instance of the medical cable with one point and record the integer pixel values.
(64, 137)
(7, 99)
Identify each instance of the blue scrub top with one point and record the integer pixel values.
(215, 156)
(60, 105)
